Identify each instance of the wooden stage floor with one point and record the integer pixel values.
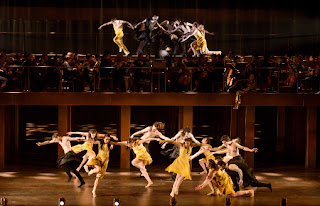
(43, 186)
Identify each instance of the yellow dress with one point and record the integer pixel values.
(142, 154)
(181, 165)
(81, 147)
(221, 180)
(201, 42)
(101, 160)
(208, 156)
(118, 38)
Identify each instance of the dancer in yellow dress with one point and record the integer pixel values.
(118, 30)
(221, 182)
(201, 43)
(181, 165)
(142, 158)
(206, 151)
(90, 136)
(100, 162)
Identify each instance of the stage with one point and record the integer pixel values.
(43, 186)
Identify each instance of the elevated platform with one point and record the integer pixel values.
(158, 99)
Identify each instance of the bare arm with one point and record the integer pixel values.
(196, 154)
(78, 133)
(105, 24)
(194, 139)
(46, 142)
(207, 181)
(246, 148)
(217, 148)
(76, 138)
(149, 139)
(235, 168)
(187, 37)
(176, 136)
(139, 23)
(123, 143)
(220, 152)
(140, 132)
(161, 27)
(159, 134)
(126, 22)
(170, 142)
(211, 33)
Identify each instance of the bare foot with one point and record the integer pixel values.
(251, 192)
(78, 169)
(90, 173)
(149, 184)
(172, 194)
(94, 193)
(203, 172)
(211, 193)
(86, 169)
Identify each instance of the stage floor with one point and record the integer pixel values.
(44, 186)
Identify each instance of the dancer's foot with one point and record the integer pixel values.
(90, 173)
(270, 187)
(149, 184)
(176, 192)
(173, 201)
(94, 193)
(126, 54)
(251, 193)
(141, 175)
(172, 194)
(212, 193)
(82, 183)
(203, 172)
(120, 49)
(70, 177)
(78, 169)
(86, 168)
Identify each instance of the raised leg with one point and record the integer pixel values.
(203, 166)
(140, 165)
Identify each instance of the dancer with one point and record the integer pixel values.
(206, 151)
(242, 175)
(118, 30)
(201, 43)
(88, 146)
(100, 162)
(181, 165)
(180, 137)
(221, 182)
(231, 149)
(69, 161)
(144, 37)
(142, 158)
(150, 133)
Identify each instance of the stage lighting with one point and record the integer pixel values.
(228, 201)
(4, 201)
(62, 201)
(284, 201)
(116, 201)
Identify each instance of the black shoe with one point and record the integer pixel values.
(173, 176)
(69, 179)
(82, 183)
(173, 201)
(270, 187)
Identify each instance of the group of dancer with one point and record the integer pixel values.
(172, 35)
(225, 176)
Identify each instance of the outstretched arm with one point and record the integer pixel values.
(220, 152)
(187, 37)
(140, 132)
(207, 180)
(170, 142)
(139, 23)
(217, 148)
(126, 22)
(46, 142)
(201, 151)
(148, 140)
(162, 28)
(194, 139)
(78, 133)
(211, 33)
(105, 24)
(246, 148)
(77, 138)
(159, 134)
(123, 143)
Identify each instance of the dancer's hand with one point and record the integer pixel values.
(240, 182)
(69, 133)
(38, 144)
(199, 187)
(100, 28)
(163, 146)
(111, 147)
(162, 142)
(254, 150)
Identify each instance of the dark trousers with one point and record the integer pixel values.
(70, 167)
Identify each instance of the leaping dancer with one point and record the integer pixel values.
(118, 30)
(201, 43)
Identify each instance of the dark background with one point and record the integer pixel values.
(243, 27)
